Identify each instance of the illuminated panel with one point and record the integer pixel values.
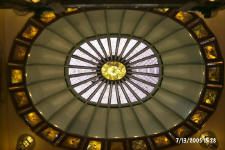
(161, 141)
(162, 10)
(50, 133)
(183, 131)
(21, 98)
(210, 96)
(71, 142)
(199, 116)
(19, 53)
(68, 10)
(113, 70)
(200, 31)
(139, 145)
(16, 76)
(33, 119)
(117, 146)
(30, 32)
(183, 16)
(47, 16)
(94, 145)
(210, 52)
(214, 74)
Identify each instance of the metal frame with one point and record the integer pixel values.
(149, 139)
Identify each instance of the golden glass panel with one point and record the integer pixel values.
(16, 76)
(139, 145)
(19, 53)
(117, 146)
(113, 70)
(210, 96)
(48, 16)
(183, 131)
(199, 116)
(200, 31)
(30, 32)
(161, 141)
(50, 133)
(21, 99)
(94, 145)
(71, 142)
(32, 118)
(214, 74)
(183, 16)
(210, 51)
(68, 10)
(162, 10)
(33, 1)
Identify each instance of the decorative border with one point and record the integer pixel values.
(206, 106)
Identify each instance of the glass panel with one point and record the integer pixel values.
(121, 45)
(47, 16)
(68, 10)
(94, 145)
(113, 45)
(214, 74)
(19, 53)
(123, 99)
(105, 97)
(97, 46)
(17, 76)
(200, 31)
(71, 142)
(113, 70)
(30, 32)
(21, 99)
(90, 50)
(161, 141)
(146, 53)
(117, 146)
(129, 46)
(210, 96)
(105, 45)
(139, 145)
(199, 116)
(162, 10)
(32, 118)
(50, 133)
(210, 51)
(151, 61)
(183, 16)
(98, 94)
(90, 91)
(144, 86)
(183, 131)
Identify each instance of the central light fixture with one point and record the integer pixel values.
(113, 70)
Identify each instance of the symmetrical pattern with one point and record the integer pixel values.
(188, 94)
(114, 70)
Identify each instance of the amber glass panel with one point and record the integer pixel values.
(113, 70)
(183, 16)
(21, 99)
(139, 145)
(210, 96)
(16, 76)
(161, 141)
(50, 133)
(200, 31)
(199, 116)
(71, 142)
(47, 16)
(68, 10)
(214, 74)
(30, 32)
(183, 131)
(117, 146)
(32, 118)
(162, 10)
(19, 53)
(94, 145)
(210, 51)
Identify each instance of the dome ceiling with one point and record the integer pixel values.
(115, 74)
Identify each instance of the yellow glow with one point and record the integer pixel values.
(183, 16)
(210, 96)
(210, 51)
(47, 16)
(19, 53)
(33, 118)
(16, 76)
(199, 116)
(113, 70)
(30, 32)
(183, 131)
(50, 133)
(200, 31)
(68, 10)
(161, 141)
(163, 10)
(139, 145)
(214, 74)
(21, 98)
(71, 142)
(94, 145)
(30, 139)
(212, 0)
